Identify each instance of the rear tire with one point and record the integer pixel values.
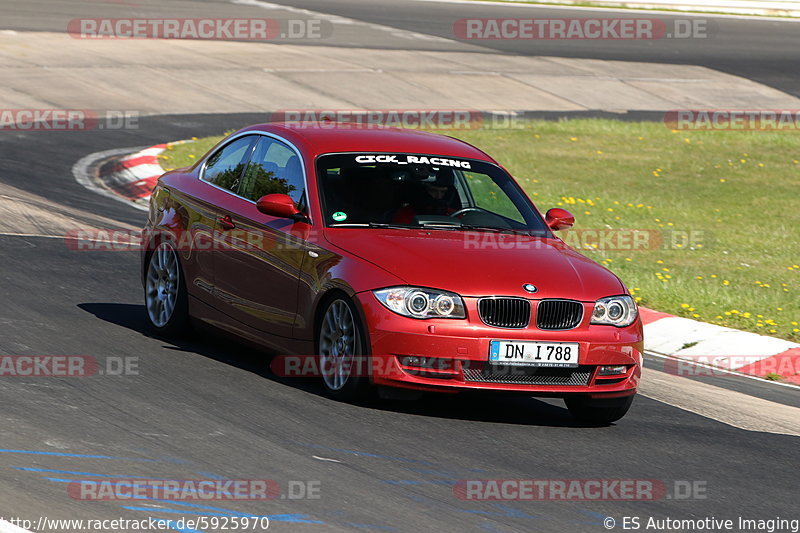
(601, 412)
(342, 358)
(165, 296)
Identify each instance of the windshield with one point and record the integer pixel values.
(407, 190)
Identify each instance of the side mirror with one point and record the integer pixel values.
(558, 219)
(281, 206)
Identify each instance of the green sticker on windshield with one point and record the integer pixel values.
(340, 216)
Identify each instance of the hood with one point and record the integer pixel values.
(480, 263)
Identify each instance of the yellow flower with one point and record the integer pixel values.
(600, 152)
(772, 331)
(628, 259)
(191, 156)
(698, 277)
(573, 139)
(726, 282)
(713, 275)
(795, 330)
(794, 323)
(660, 262)
(695, 315)
(684, 305)
(665, 269)
(722, 180)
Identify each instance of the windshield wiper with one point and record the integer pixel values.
(440, 225)
(372, 225)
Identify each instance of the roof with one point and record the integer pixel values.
(316, 139)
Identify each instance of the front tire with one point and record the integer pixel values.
(342, 358)
(600, 411)
(165, 296)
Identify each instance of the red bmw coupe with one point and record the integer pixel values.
(413, 251)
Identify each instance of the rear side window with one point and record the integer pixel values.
(225, 168)
(274, 168)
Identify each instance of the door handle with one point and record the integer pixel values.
(226, 222)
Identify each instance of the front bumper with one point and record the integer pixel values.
(448, 355)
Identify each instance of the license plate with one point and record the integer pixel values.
(534, 353)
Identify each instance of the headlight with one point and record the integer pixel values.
(617, 311)
(417, 302)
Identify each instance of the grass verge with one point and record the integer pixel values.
(721, 209)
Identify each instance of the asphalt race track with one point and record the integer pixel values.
(762, 50)
(208, 408)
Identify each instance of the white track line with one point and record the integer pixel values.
(82, 173)
(337, 19)
(733, 408)
(8, 527)
(676, 13)
(719, 369)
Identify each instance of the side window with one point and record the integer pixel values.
(224, 168)
(489, 196)
(274, 168)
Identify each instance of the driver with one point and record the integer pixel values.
(433, 194)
